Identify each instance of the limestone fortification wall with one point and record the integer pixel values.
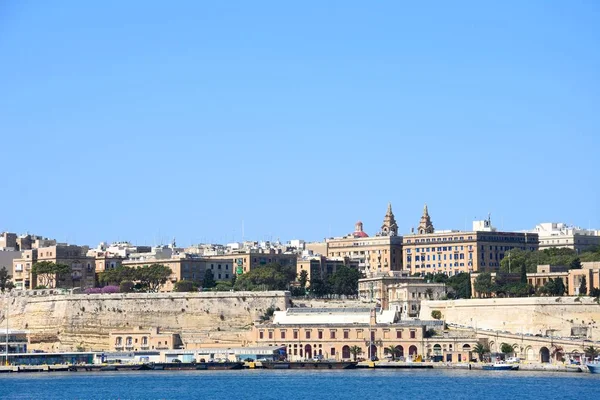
(65, 322)
(532, 315)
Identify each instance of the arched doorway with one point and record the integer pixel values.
(544, 355)
(308, 351)
(412, 351)
(529, 354)
(346, 352)
(437, 350)
(399, 351)
(372, 351)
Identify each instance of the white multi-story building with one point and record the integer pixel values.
(558, 234)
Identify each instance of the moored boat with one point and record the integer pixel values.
(499, 367)
(308, 364)
(594, 368)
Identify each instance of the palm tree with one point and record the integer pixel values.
(355, 351)
(507, 348)
(480, 349)
(591, 352)
(391, 350)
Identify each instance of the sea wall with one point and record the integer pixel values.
(532, 315)
(66, 322)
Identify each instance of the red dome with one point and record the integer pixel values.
(360, 234)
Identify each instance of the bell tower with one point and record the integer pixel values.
(389, 227)
(425, 226)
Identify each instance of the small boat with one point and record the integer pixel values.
(594, 368)
(499, 367)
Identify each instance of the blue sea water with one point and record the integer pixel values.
(329, 384)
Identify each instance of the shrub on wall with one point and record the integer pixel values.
(126, 287)
(110, 289)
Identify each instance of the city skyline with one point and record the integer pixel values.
(139, 122)
(167, 238)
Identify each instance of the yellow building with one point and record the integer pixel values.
(82, 267)
(187, 267)
(452, 252)
(379, 253)
(322, 267)
(331, 333)
(246, 260)
(143, 339)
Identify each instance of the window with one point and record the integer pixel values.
(346, 334)
(320, 334)
(283, 334)
(413, 334)
(308, 334)
(332, 351)
(295, 334)
(332, 334)
(261, 335)
(398, 334)
(270, 334)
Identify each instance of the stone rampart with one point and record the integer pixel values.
(64, 322)
(533, 315)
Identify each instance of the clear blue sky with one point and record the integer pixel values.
(144, 120)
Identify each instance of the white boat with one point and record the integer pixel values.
(594, 368)
(499, 367)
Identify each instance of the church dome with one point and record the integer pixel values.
(358, 230)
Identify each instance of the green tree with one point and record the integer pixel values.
(126, 287)
(583, 286)
(523, 274)
(5, 280)
(515, 259)
(483, 284)
(185, 286)
(223, 286)
(318, 287)
(267, 277)
(592, 254)
(436, 314)
(153, 277)
(115, 276)
(459, 285)
(355, 351)
(209, 280)
(507, 348)
(481, 350)
(575, 264)
(303, 278)
(391, 350)
(591, 352)
(48, 273)
(345, 281)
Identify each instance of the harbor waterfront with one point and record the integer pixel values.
(272, 384)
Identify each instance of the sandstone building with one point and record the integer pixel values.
(452, 252)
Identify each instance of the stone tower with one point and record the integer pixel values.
(389, 227)
(425, 226)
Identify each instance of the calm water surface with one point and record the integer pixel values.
(266, 385)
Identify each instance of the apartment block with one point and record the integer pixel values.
(82, 267)
(452, 252)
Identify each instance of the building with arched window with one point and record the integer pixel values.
(337, 333)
